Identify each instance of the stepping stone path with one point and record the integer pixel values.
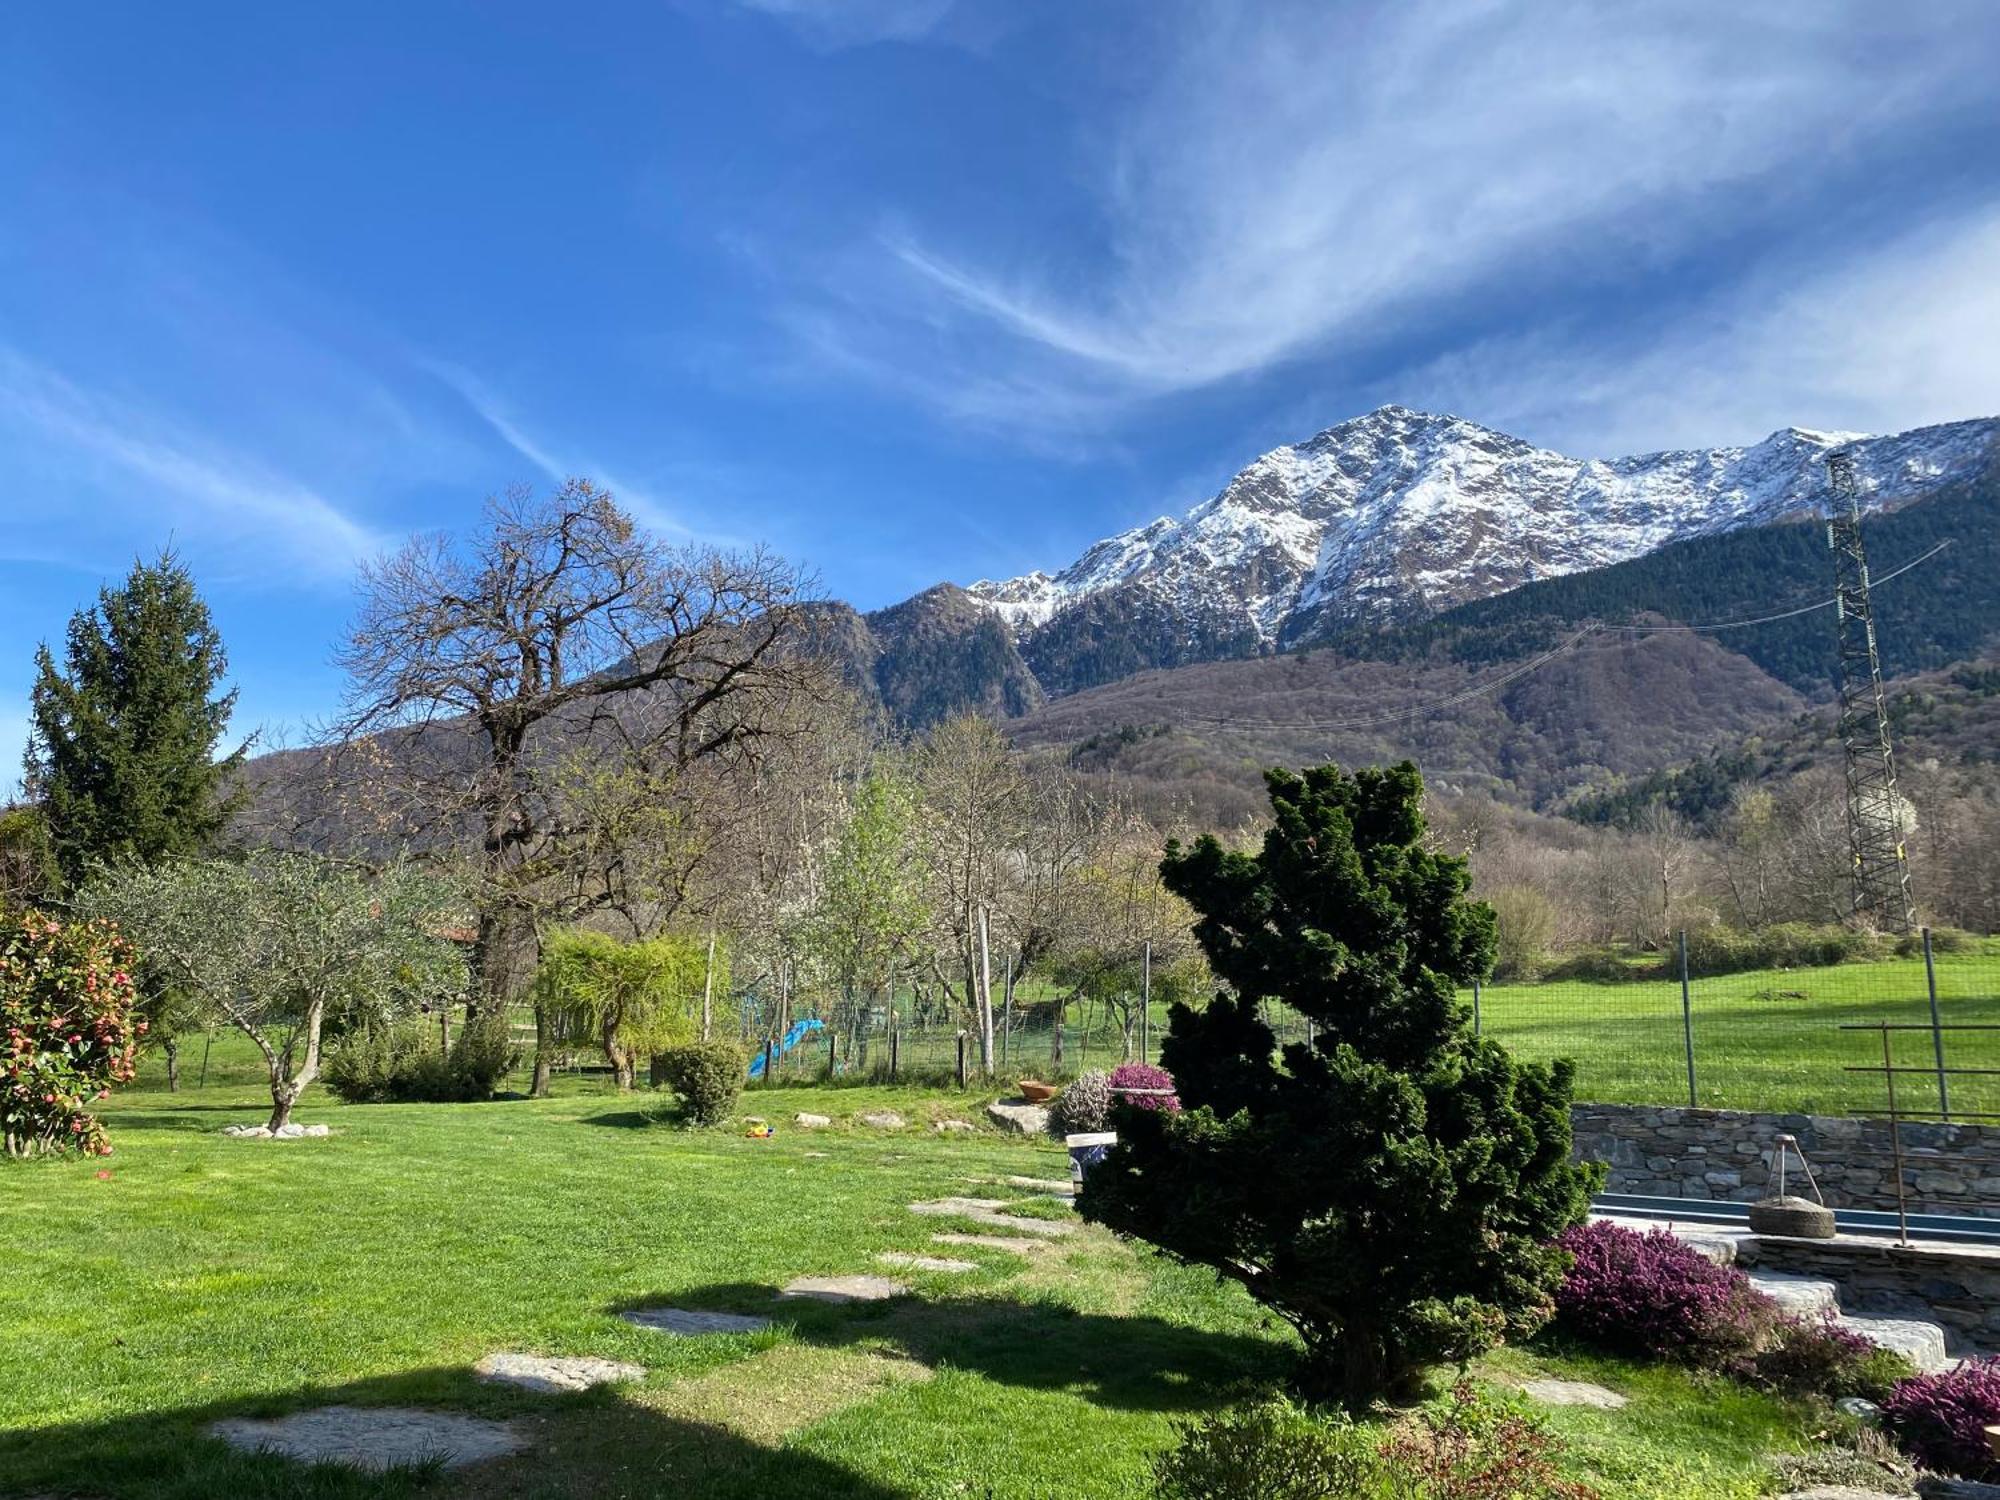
(1802, 1296)
(374, 1437)
(1019, 1116)
(807, 1121)
(291, 1132)
(925, 1262)
(690, 1323)
(883, 1119)
(535, 1372)
(817, 1155)
(1012, 1243)
(845, 1288)
(1055, 1187)
(986, 1211)
(1573, 1393)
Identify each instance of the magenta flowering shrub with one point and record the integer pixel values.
(1940, 1420)
(1138, 1075)
(69, 1027)
(1655, 1296)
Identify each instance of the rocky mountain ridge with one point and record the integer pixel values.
(1399, 514)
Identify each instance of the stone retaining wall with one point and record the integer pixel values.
(1727, 1154)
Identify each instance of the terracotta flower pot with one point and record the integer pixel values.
(1037, 1092)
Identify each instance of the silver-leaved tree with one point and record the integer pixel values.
(284, 943)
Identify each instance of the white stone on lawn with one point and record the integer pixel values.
(844, 1288)
(292, 1131)
(1019, 1116)
(374, 1437)
(690, 1323)
(954, 1127)
(985, 1211)
(925, 1262)
(1055, 1187)
(1013, 1244)
(1573, 1393)
(550, 1374)
(883, 1119)
(808, 1121)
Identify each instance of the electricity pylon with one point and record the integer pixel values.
(1881, 871)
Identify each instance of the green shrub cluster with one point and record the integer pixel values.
(708, 1076)
(1783, 945)
(1465, 1446)
(402, 1064)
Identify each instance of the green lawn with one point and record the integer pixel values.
(206, 1277)
(1769, 1039)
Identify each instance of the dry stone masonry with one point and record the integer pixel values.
(1726, 1154)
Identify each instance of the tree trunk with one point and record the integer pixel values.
(173, 1050)
(544, 1045)
(504, 936)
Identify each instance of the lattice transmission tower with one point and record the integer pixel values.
(1875, 813)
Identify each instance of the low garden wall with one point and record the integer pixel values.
(1957, 1286)
(1727, 1154)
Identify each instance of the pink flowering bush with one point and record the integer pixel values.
(1941, 1420)
(1138, 1075)
(1655, 1296)
(68, 1030)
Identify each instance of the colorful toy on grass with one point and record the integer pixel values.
(760, 1132)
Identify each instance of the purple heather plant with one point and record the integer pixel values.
(1138, 1075)
(1941, 1420)
(1655, 1296)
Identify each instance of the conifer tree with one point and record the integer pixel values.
(1391, 1189)
(122, 739)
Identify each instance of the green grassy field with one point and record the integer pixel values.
(1768, 1039)
(206, 1277)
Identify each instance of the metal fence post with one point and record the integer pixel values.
(1007, 1017)
(1146, 1006)
(961, 1059)
(1937, 1032)
(1475, 1007)
(1687, 1018)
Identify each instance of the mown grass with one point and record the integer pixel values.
(1768, 1039)
(206, 1277)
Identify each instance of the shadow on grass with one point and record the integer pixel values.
(628, 1119)
(1134, 1363)
(593, 1444)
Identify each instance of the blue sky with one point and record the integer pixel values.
(916, 289)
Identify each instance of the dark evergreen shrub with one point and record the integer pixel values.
(402, 1063)
(1266, 1450)
(1392, 1190)
(708, 1076)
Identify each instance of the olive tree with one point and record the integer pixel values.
(281, 945)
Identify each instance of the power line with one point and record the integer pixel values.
(1465, 694)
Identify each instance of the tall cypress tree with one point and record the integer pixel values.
(1391, 1189)
(122, 741)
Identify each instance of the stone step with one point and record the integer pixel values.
(1801, 1296)
(1922, 1344)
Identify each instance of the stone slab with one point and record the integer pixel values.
(882, 1119)
(954, 1127)
(806, 1120)
(1802, 1296)
(1013, 1244)
(947, 1207)
(1573, 1393)
(844, 1288)
(1055, 1187)
(691, 1323)
(1922, 1344)
(292, 1131)
(551, 1374)
(1019, 1116)
(925, 1262)
(374, 1438)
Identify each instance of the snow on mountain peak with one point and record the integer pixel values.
(1400, 512)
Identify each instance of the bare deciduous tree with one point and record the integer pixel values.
(545, 693)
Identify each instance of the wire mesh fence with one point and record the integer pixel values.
(1768, 1040)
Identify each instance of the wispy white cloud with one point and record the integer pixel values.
(1905, 335)
(227, 499)
(1310, 180)
(499, 416)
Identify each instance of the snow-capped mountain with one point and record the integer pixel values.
(1402, 513)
